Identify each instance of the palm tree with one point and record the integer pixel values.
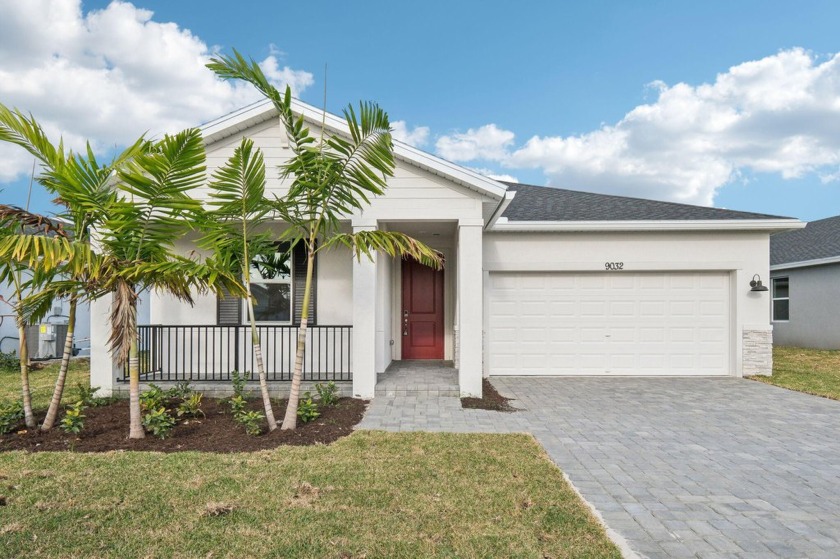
(132, 249)
(13, 221)
(237, 195)
(83, 189)
(12, 272)
(331, 177)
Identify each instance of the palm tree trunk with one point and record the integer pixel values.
(255, 339)
(135, 430)
(28, 416)
(52, 412)
(290, 419)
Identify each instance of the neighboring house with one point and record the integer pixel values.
(538, 281)
(805, 285)
(9, 337)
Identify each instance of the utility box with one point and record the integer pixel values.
(45, 340)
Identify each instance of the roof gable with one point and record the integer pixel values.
(262, 111)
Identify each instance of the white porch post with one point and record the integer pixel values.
(103, 371)
(470, 307)
(364, 321)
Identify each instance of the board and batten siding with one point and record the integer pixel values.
(413, 193)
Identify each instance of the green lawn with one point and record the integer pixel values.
(812, 371)
(372, 494)
(42, 383)
(369, 495)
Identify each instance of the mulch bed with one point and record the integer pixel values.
(490, 400)
(106, 429)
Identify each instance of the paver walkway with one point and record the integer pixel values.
(679, 467)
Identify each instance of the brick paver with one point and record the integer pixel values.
(679, 467)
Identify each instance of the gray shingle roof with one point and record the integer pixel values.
(819, 239)
(543, 203)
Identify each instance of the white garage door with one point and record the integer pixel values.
(617, 323)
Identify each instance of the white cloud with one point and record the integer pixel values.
(416, 137)
(777, 115)
(489, 143)
(494, 175)
(110, 75)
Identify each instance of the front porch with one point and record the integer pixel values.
(365, 326)
(418, 378)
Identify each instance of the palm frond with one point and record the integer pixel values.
(31, 222)
(392, 243)
(24, 131)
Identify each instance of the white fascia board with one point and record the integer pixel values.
(500, 209)
(264, 110)
(806, 263)
(503, 225)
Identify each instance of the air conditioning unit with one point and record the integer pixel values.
(45, 341)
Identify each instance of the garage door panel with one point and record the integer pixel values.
(608, 324)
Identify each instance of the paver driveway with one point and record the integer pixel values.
(679, 467)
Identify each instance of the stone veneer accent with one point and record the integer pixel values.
(758, 352)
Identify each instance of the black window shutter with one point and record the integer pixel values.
(299, 283)
(228, 309)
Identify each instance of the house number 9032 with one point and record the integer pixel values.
(613, 265)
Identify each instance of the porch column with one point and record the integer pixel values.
(103, 371)
(364, 321)
(470, 306)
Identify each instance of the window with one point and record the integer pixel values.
(781, 299)
(271, 286)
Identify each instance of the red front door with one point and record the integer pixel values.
(422, 311)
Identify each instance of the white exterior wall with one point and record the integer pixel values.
(742, 254)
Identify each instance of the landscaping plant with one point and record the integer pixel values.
(191, 406)
(238, 381)
(307, 409)
(237, 405)
(330, 178)
(154, 398)
(251, 421)
(73, 421)
(11, 415)
(9, 361)
(327, 393)
(159, 422)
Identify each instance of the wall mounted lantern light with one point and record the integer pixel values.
(755, 284)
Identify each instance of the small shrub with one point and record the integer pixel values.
(182, 391)
(9, 361)
(11, 414)
(87, 394)
(237, 405)
(307, 409)
(159, 422)
(251, 421)
(154, 398)
(238, 381)
(191, 406)
(327, 393)
(74, 421)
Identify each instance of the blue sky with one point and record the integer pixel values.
(544, 92)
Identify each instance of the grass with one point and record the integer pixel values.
(372, 494)
(812, 371)
(42, 382)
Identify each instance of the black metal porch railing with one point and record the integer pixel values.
(203, 353)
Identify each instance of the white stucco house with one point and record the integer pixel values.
(538, 281)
